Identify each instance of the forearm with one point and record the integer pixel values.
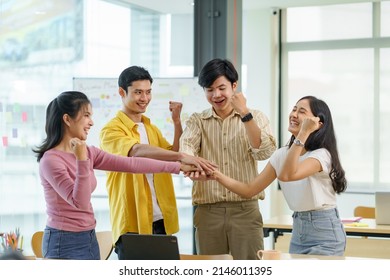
(254, 133)
(291, 163)
(178, 131)
(242, 189)
(143, 150)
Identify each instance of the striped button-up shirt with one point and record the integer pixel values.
(225, 142)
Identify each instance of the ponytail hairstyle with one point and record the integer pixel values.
(68, 102)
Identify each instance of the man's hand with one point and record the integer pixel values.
(201, 163)
(238, 102)
(175, 108)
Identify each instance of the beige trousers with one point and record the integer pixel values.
(234, 228)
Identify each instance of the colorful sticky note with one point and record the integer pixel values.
(8, 117)
(5, 141)
(15, 133)
(16, 108)
(24, 116)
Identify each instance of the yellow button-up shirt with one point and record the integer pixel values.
(130, 200)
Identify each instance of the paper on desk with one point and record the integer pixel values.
(351, 219)
(356, 224)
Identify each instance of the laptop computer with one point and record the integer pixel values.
(150, 247)
(382, 208)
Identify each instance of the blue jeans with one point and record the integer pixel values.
(60, 244)
(318, 233)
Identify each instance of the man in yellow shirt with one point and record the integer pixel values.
(142, 203)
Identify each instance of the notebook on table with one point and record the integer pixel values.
(382, 208)
(150, 247)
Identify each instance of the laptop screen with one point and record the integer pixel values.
(382, 208)
(150, 247)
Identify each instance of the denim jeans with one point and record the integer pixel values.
(318, 233)
(60, 244)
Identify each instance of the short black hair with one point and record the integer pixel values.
(131, 74)
(216, 68)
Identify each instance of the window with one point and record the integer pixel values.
(40, 56)
(332, 52)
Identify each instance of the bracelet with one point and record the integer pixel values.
(247, 117)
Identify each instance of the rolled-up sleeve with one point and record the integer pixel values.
(268, 142)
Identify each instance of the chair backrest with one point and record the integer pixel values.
(36, 244)
(106, 244)
(206, 257)
(104, 239)
(364, 212)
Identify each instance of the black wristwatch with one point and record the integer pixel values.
(247, 117)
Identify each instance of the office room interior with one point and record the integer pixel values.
(337, 50)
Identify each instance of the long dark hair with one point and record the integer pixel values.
(325, 138)
(68, 102)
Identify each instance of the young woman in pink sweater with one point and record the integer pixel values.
(66, 168)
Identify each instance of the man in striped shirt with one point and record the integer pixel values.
(234, 137)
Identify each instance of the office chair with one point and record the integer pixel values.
(206, 257)
(364, 212)
(36, 244)
(104, 239)
(106, 245)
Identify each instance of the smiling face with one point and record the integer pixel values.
(79, 127)
(219, 94)
(299, 112)
(137, 98)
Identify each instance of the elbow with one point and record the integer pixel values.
(135, 151)
(82, 206)
(247, 195)
(284, 178)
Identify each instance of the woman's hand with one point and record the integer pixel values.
(186, 168)
(79, 148)
(310, 125)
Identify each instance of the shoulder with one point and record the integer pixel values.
(278, 155)
(319, 153)
(323, 156)
(259, 115)
(53, 159)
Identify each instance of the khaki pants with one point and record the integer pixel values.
(234, 228)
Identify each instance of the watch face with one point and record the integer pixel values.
(298, 142)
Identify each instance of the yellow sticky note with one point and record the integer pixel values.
(356, 225)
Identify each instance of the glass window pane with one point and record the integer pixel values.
(329, 22)
(384, 130)
(344, 80)
(385, 18)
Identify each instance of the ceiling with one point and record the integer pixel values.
(186, 6)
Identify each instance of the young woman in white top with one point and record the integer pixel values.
(310, 175)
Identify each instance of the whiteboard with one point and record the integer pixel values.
(105, 99)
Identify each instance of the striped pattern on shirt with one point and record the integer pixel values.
(225, 142)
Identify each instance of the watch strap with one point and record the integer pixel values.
(247, 117)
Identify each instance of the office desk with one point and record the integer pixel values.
(280, 224)
(372, 241)
(287, 256)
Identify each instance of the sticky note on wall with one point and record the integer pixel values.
(24, 116)
(5, 141)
